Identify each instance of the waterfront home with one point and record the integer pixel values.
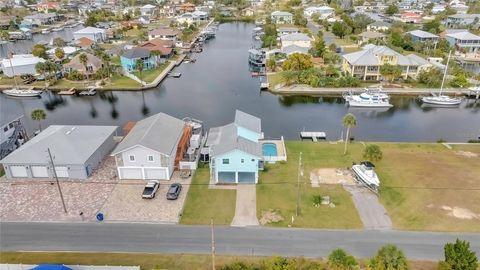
(36, 20)
(379, 26)
(365, 64)
(68, 50)
(163, 47)
(76, 151)
(287, 30)
(235, 151)
(410, 17)
(297, 39)
(436, 9)
(369, 36)
(92, 33)
(192, 17)
(324, 12)
(149, 149)
(291, 49)
(47, 6)
(20, 64)
(187, 7)
(147, 10)
(462, 20)
(165, 33)
(422, 36)
(280, 17)
(88, 69)
(129, 59)
(464, 41)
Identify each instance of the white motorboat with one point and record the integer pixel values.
(373, 98)
(46, 31)
(22, 93)
(439, 99)
(365, 173)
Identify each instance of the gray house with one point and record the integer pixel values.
(148, 151)
(76, 151)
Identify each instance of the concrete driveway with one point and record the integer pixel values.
(246, 206)
(373, 214)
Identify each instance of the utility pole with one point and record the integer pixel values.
(213, 244)
(298, 184)
(56, 178)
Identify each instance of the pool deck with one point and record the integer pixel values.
(281, 150)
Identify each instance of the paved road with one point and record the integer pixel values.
(122, 237)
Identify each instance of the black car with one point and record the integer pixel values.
(174, 191)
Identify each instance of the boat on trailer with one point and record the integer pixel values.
(365, 173)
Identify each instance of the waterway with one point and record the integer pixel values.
(220, 82)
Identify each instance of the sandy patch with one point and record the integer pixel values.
(330, 176)
(270, 216)
(466, 154)
(460, 213)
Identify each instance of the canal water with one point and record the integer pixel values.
(220, 82)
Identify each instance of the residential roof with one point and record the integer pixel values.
(76, 64)
(422, 34)
(84, 42)
(226, 139)
(160, 45)
(295, 37)
(136, 53)
(21, 60)
(294, 49)
(248, 121)
(89, 30)
(159, 132)
(281, 13)
(148, 6)
(463, 36)
(464, 16)
(68, 144)
(380, 24)
(369, 56)
(164, 31)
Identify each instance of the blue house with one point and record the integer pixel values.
(129, 59)
(235, 150)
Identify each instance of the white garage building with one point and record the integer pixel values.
(148, 151)
(76, 151)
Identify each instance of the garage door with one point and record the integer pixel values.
(246, 178)
(39, 171)
(226, 177)
(18, 171)
(62, 172)
(155, 173)
(130, 173)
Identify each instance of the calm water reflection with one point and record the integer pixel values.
(219, 82)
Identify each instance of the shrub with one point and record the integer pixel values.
(75, 75)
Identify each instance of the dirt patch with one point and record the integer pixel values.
(270, 216)
(330, 176)
(466, 154)
(460, 213)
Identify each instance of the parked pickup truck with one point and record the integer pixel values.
(150, 189)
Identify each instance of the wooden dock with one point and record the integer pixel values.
(313, 135)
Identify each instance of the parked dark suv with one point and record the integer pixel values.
(174, 191)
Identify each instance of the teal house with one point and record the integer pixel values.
(129, 59)
(235, 150)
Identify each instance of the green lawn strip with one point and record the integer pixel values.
(153, 261)
(118, 82)
(278, 188)
(204, 203)
(150, 75)
(274, 79)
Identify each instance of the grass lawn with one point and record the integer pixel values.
(274, 79)
(277, 189)
(118, 82)
(204, 203)
(149, 76)
(423, 186)
(151, 261)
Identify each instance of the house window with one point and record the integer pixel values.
(10, 125)
(226, 161)
(5, 129)
(242, 160)
(150, 158)
(131, 157)
(253, 160)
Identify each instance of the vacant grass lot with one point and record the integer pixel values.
(423, 186)
(149, 76)
(278, 188)
(203, 203)
(150, 261)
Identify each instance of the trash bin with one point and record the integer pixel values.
(100, 217)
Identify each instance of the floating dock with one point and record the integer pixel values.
(70, 91)
(313, 135)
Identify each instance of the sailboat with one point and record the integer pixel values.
(442, 99)
(17, 92)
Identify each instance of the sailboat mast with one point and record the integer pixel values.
(13, 72)
(445, 73)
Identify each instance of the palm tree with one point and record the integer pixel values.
(106, 61)
(389, 257)
(59, 53)
(348, 121)
(139, 66)
(84, 60)
(38, 115)
(41, 67)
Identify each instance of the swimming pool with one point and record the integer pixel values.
(269, 149)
